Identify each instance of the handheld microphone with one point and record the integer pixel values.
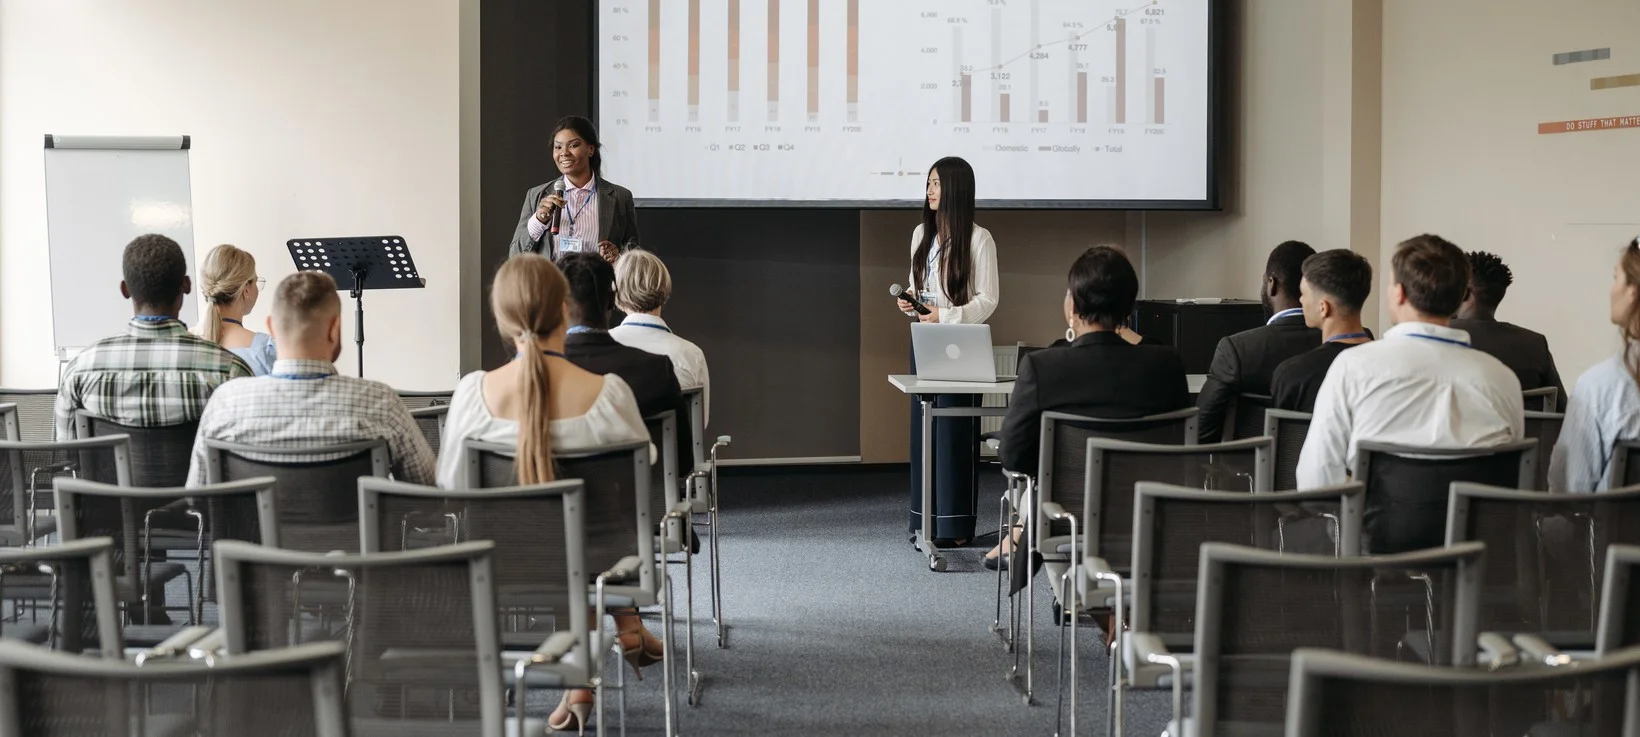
(557, 212)
(899, 292)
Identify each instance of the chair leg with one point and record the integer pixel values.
(666, 649)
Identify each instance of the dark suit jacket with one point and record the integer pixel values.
(1244, 364)
(617, 220)
(1099, 375)
(1525, 352)
(654, 383)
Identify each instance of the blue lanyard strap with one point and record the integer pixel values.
(153, 318)
(651, 326)
(1348, 336)
(300, 377)
(570, 211)
(579, 329)
(1285, 313)
(1438, 339)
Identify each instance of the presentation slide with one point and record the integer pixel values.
(1056, 103)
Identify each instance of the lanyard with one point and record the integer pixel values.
(300, 377)
(1348, 336)
(1437, 339)
(1285, 313)
(578, 329)
(650, 325)
(554, 354)
(153, 318)
(232, 321)
(570, 211)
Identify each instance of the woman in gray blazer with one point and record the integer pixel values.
(595, 215)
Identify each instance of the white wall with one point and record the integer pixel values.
(308, 117)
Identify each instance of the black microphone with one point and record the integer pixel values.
(899, 292)
(557, 212)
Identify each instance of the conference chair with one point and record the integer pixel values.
(1548, 552)
(28, 468)
(1620, 601)
(159, 455)
(423, 654)
(1408, 487)
(71, 586)
(419, 400)
(1245, 416)
(430, 420)
(1255, 607)
(35, 412)
(539, 567)
(664, 489)
(702, 485)
(241, 510)
(281, 692)
(1288, 430)
(1542, 399)
(9, 429)
(1624, 468)
(316, 487)
(1545, 427)
(1170, 524)
(1333, 694)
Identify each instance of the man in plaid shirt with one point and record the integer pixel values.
(157, 373)
(303, 401)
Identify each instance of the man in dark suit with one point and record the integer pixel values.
(1244, 363)
(1336, 284)
(1525, 352)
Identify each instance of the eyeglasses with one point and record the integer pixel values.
(261, 282)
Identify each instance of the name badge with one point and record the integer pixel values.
(567, 244)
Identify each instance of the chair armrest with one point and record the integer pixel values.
(702, 469)
(1540, 652)
(559, 645)
(625, 569)
(1015, 475)
(1496, 651)
(208, 647)
(1053, 511)
(680, 510)
(1097, 568)
(176, 645)
(1148, 648)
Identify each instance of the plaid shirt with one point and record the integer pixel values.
(304, 402)
(156, 374)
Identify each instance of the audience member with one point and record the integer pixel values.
(1525, 352)
(231, 290)
(543, 403)
(157, 373)
(1422, 385)
(1605, 407)
(303, 401)
(1133, 380)
(1336, 284)
(643, 286)
(1244, 363)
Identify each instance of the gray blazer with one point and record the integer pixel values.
(617, 219)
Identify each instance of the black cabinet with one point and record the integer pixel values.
(1195, 329)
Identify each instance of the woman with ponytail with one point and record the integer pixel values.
(543, 403)
(230, 289)
(1605, 405)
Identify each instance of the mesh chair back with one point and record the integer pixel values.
(1171, 523)
(1246, 418)
(1288, 429)
(430, 420)
(159, 455)
(1115, 467)
(1548, 555)
(418, 627)
(1624, 469)
(1620, 600)
(1545, 428)
(27, 470)
(1542, 399)
(1407, 487)
(419, 400)
(1340, 695)
(9, 429)
(539, 558)
(35, 413)
(1062, 460)
(297, 691)
(316, 491)
(663, 476)
(1255, 608)
(63, 597)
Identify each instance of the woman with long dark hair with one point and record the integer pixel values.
(1605, 405)
(594, 214)
(954, 273)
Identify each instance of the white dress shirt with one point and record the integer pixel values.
(1422, 385)
(987, 288)
(651, 334)
(1604, 408)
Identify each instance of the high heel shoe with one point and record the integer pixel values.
(641, 650)
(576, 714)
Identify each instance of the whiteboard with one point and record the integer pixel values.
(102, 192)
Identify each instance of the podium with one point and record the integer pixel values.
(357, 264)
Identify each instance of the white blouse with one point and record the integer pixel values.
(987, 289)
(613, 418)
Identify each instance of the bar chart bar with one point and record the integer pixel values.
(967, 97)
(1120, 108)
(1081, 97)
(998, 100)
(694, 61)
(814, 60)
(853, 60)
(774, 59)
(1078, 97)
(1002, 107)
(1036, 102)
(962, 87)
(654, 61)
(1042, 115)
(734, 61)
(1161, 101)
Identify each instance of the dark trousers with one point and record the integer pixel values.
(956, 474)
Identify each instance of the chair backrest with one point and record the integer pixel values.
(1542, 399)
(73, 585)
(663, 477)
(1545, 428)
(28, 468)
(430, 420)
(1245, 418)
(1288, 429)
(159, 455)
(1624, 468)
(1254, 608)
(1407, 487)
(617, 486)
(1115, 467)
(1620, 600)
(1335, 694)
(9, 429)
(1062, 455)
(696, 401)
(1171, 523)
(316, 491)
(538, 531)
(418, 400)
(35, 412)
(413, 623)
(1548, 555)
(268, 694)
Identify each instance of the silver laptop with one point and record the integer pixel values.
(954, 353)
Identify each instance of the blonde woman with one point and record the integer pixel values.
(643, 286)
(230, 289)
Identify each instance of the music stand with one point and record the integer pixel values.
(369, 262)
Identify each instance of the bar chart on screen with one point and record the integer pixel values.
(1107, 99)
